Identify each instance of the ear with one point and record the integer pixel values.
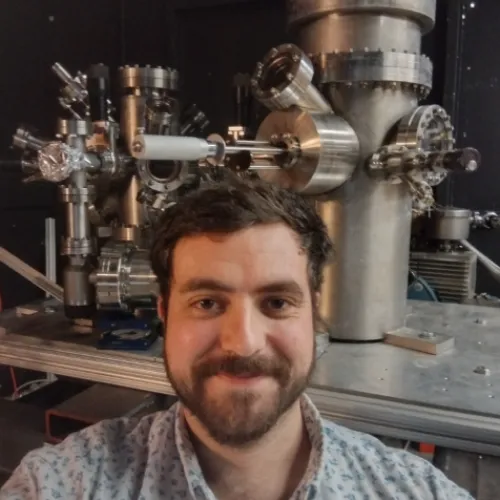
(160, 308)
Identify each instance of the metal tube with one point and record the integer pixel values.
(492, 267)
(264, 167)
(50, 250)
(77, 219)
(260, 150)
(133, 112)
(255, 144)
(131, 209)
(63, 74)
(78, 294)
(31, 274)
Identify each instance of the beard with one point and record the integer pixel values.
(240, 417)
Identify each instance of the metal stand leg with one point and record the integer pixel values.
(50, 263)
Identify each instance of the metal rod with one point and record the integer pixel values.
(50, 250)
(264, 167)
(61, 72)
(31, 274)
(51, 273)
(252, 143)
(492, 267)
(261, 150)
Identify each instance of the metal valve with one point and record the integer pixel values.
(486, 220)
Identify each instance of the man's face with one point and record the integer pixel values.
(239, 344)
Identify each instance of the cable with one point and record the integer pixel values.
(15, 387)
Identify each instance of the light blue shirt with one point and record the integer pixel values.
(153, 459)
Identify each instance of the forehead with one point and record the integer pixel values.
(259, 254)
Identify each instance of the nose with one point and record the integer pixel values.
(243, 329)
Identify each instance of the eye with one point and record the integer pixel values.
(206, 304)
(275, 305)
(207, 307)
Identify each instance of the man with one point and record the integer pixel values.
(239, 266)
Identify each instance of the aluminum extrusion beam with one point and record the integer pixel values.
(393, 392)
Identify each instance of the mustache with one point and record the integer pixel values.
(277, 367)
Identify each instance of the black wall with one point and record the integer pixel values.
(473, 97)
(207, 40)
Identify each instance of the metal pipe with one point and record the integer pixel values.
(31, 274)
(23, 139)
(264, 167)
(259, 150)
(131, 209)
(284, 79)
(79, 297)
(492, 267)
(255, 144)
(63, 74)
(50, 250)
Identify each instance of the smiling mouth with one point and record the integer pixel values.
(241, 378)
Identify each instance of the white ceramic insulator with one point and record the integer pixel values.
(174, 148)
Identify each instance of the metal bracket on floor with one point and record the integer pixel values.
(421, 341)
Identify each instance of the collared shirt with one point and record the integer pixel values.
(153, 459)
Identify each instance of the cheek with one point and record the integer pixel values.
(186, 341)
(296, 341)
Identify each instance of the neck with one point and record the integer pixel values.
(270, 468)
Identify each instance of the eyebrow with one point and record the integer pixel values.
(199, 284)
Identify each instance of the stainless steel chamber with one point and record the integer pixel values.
(367, 62)
(344, 128)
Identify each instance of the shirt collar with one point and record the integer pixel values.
(312, 477)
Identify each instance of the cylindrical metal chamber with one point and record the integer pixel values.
(148, 105)
(368, 62)
(284, 79)
(124, 280)
(450, 224)
(329, 150)
(78, 246)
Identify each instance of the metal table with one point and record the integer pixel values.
(374, 388)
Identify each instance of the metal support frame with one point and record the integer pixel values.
(478, 474)
(452, 83)
(394, 392)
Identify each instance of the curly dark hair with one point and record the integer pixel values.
(233, 204)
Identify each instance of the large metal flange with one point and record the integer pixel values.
(328, 150)
(427, 128)
(376, 68)
(176, 178)
(284, 79)
(147, 77)
(423, 11)
(417, 154)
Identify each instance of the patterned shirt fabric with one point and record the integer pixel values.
(153, 459)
